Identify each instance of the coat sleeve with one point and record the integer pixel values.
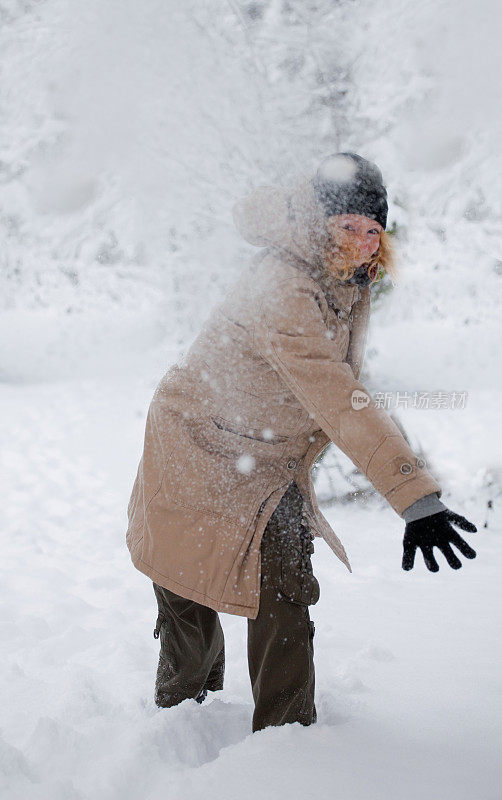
(292, 335)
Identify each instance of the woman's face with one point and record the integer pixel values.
(358, 236)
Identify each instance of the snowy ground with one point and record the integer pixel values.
(408, 665)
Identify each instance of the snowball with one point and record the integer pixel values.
(245, 464)
(267, 433)
(339, 170)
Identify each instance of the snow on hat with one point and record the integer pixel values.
(346, 183)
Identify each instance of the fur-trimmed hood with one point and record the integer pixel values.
(292, 224)
(290, 220)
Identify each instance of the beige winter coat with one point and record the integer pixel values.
(265, 387)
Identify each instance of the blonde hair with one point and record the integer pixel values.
(386, 256)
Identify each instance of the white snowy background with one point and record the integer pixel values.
(128, 129)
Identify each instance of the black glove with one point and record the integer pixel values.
(436, 531)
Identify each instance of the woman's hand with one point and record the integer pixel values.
(436, 531)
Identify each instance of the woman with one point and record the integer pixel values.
(223, 511)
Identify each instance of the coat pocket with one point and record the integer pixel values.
(166, 657)
(286, 548)
(298, 583)
(227, 438)
(255, 435)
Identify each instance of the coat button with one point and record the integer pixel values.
(406, 468)
(420, 463)
(291, 463)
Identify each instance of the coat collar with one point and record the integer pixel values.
(338, 296)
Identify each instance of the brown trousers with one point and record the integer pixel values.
(280, 639)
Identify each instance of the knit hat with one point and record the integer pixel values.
(346, 183)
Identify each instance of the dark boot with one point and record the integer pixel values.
(192, 649)
(280, 639)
